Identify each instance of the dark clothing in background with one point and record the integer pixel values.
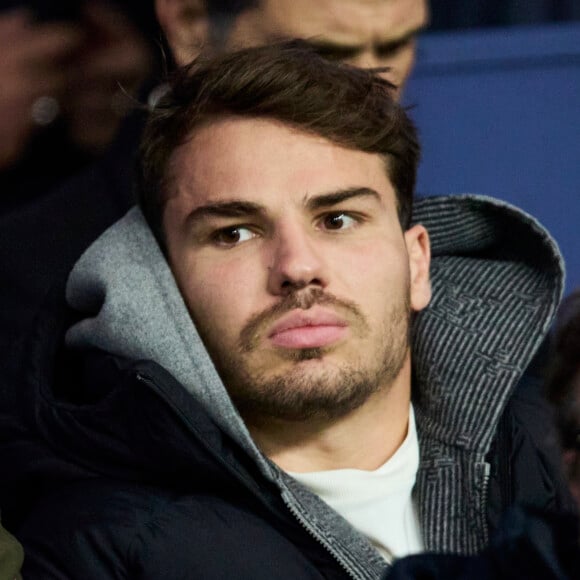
(48, 161)
(51, 156)
(529, 545)
(39, 243)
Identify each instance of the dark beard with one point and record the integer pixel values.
(300, 398)
(299, 395)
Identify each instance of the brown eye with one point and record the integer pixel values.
(337, 221)
(232, 236)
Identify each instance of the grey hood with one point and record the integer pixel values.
(134, 309)
(497, 278)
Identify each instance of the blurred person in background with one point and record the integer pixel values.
(66, 70)
(371, 34)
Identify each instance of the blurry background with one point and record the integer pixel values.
(452, 14)
(68, 72)
(496, 96)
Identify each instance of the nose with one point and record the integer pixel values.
(369, 59)
(296, 262)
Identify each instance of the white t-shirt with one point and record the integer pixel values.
(377, 503)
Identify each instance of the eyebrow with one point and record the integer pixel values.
(225, 209)
(333, 50)
(238, 208)
(393, 45)
(334, 198)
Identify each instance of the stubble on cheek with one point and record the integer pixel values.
(298, 384)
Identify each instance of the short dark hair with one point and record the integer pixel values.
(287, 82)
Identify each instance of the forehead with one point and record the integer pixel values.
(266, 162)
(345, 21)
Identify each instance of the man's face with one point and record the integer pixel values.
(289, 254)
(365, 33)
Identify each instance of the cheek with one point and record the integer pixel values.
(224, 300)
(376, 273)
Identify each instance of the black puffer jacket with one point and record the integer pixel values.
(166, 494)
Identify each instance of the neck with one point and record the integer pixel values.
(364, 439)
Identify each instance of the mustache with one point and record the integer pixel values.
(299, 300)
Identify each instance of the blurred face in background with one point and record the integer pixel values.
(365, 33)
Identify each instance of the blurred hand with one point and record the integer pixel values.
(32, 64)
(113, 59)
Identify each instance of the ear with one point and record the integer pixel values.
(419, 252)
(185, 25)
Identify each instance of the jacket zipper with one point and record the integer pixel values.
(314, 534)
(151, 382)
(483, 504)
